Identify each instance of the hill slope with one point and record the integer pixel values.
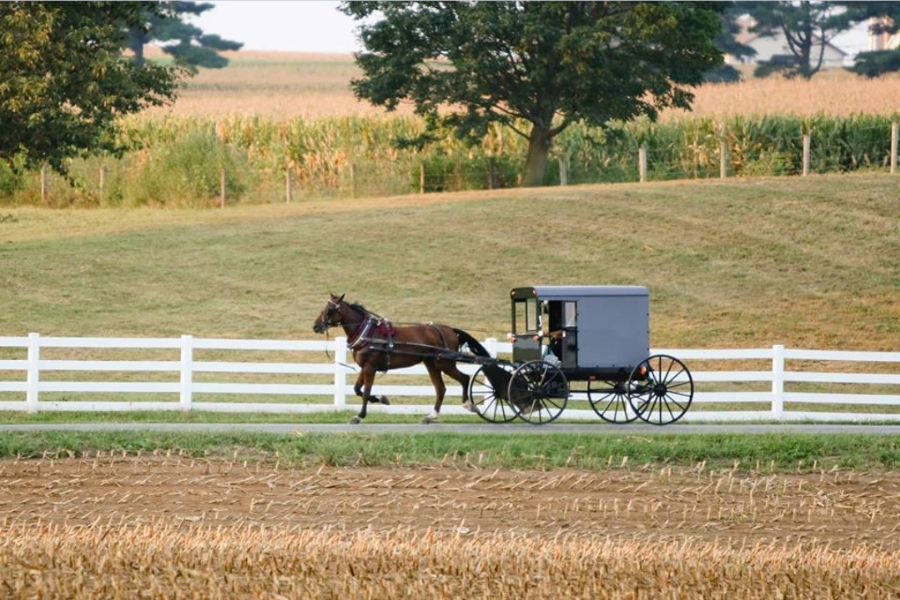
(809, 262)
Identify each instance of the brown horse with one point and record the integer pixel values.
(380, 346)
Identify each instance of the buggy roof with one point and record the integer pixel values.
(571, 292)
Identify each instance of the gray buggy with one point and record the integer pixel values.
(586, 340)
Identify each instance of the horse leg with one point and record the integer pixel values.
(439, 390)
(358, 390)
(453, 371)
(366, 378)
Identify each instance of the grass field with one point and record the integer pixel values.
(807, 262)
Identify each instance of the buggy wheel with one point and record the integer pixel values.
(609, 399)
(660, 389)
(538, 392)
(487, 393)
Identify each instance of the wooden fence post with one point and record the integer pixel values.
(186, 379)
(44, 185)
(777, 381)
(288, 186)
(422, 178)
(806, 154)
(723, 159)
(33, 375)
(102, 182)
(563, 171)
(895, 133)
(222, 186)
(642, 163)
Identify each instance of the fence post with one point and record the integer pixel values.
(222, 187)
(33, 376)
(340, 372)
(187, 372)
(490, 345)
(44, 185)
(895, 133)
(102, 182)
(642, 163)
(777, 381)
(354, 178)
(288, 186)
(563, 171)
(806, 154)
(422, 178)
(723, 159)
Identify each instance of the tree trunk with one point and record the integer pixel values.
(539, 143)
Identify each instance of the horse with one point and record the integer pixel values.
(378, 345)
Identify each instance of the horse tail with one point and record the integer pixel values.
(473, 344)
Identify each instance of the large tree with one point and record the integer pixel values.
(807, 28)
(63, 81)
(537, 67)
(184, 42)
(884, 19)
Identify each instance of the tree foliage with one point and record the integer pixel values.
(186, 43)
(63, 81)
(807, 27)
(534, 66)
(885, 20)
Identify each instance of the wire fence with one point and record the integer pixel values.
(652, 155)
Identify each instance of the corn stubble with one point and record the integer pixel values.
(172, 527)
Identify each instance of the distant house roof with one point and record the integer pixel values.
(774, 44)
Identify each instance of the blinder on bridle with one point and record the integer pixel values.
(325, 322)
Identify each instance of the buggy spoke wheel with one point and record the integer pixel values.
(660, 389)
(609, 399)
(487, 393)
(538, 392)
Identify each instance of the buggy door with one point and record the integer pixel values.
(563, 330)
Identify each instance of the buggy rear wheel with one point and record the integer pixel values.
(609, 399)
(660, 389)
(538, 392)
(487, 393)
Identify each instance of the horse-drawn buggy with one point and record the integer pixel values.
(589, 342)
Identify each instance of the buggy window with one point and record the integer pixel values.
(569, 314)
(526, 315)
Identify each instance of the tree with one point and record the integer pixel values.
(536, 67)
(64, 83)
(728, 43)
(186, 43)
(885, 19)
(806, 26)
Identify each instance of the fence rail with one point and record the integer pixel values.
(32, 383)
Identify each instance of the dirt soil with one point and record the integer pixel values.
(841, 509)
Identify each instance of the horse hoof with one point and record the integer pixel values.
(384, 400)
(470, 406)
(355, 421)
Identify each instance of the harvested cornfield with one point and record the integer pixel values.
(175, 527)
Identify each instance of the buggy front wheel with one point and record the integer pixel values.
(487, 393)
(660, 389)
(538, 391)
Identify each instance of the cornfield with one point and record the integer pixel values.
(171, 526)
(195, 161)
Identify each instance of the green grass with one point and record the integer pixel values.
(766, 453)
(806, 262)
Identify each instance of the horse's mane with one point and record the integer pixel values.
(358, 307)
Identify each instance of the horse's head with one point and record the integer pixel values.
(332, 315)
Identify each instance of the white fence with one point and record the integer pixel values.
(30, 381)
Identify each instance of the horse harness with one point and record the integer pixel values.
(377, 334)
